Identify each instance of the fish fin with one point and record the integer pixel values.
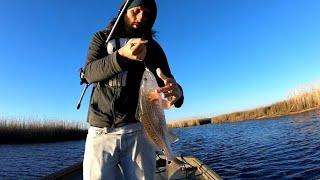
(138, 112)
(172, 138)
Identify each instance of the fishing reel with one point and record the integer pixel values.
(82, 81)
(81, 75)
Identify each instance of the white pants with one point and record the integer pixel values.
(119, 153)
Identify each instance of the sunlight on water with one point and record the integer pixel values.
(282, 148)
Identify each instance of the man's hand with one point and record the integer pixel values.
(135, 49)
(171, 89)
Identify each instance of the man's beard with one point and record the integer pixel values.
(141, 32)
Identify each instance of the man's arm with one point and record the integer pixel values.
(99, 65)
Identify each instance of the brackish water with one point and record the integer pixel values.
(282, 148)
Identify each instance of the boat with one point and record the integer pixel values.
(196, 171)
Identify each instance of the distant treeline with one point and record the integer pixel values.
(17, 131)
(299, 102)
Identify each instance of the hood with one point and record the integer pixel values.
(149, 4)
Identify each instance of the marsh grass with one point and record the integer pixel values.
(189, 123)
(37, 131)
(300, 101)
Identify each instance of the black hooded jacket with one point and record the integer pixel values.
(116, 80)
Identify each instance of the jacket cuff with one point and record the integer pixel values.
(121, 61)
(179, 102)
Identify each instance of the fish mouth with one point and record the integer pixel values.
(154, 96)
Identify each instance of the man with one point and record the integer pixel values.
(116, 146)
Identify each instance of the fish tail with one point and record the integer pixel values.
(175, 168)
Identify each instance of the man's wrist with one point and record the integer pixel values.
(122, 61)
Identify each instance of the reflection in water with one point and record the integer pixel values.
(286, 147)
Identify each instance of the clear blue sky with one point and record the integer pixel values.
(228, 55)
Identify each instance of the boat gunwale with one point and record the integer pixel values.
(75, 169)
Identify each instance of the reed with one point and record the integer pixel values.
(189, 123)
(35, 131)
(300, 101)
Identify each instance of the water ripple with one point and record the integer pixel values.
(283, 148)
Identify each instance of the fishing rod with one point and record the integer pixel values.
(82, 79)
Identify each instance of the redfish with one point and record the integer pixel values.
(150, 112)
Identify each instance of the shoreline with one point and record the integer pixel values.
(300, 102)
(26, 131)
(40, 131)
(291, 113)
(62, 132)
(203, 121)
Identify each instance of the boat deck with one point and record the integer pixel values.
(199, 172)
